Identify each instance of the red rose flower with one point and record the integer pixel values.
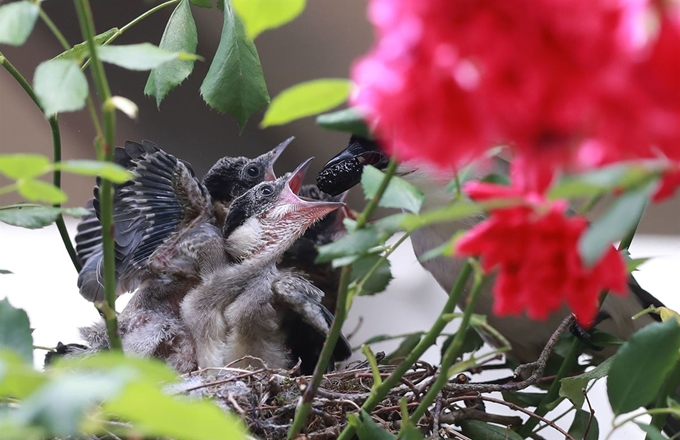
(534, 247)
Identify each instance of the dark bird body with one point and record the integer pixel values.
(252, 307)
(527, 337)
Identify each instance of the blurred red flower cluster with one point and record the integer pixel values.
(567, 85)
(535, 246)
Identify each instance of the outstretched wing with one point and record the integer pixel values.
(305, 321)
(162, 195)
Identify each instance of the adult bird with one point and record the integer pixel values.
(527, 338)
(251, 307)
(165, 220)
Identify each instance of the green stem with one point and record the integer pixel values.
(54, 29)
(553, 392)
(452, 352)
(120, 31)
(340, 314)
(56, 147)
(105, 191)
(379, 393)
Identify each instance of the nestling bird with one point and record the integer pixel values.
(165, 221)
(251, 307)
(143, 206)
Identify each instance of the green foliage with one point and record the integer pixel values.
(15, 331)
(640, 366)
(480, 430)
(142, 56)
(202, 3)
(584, 426)
(621, 218)
(106, 170)
(523, 399)
(36, 216)
(261, 15)
(17, 21)
(235, 82)
(17, 379)
(5, 272)
(348, 120)
(471, 342)
(367, 429)
(378, 271)
(306, 99)
(39, 191)
(399, 193)
(605, 179)
(652, 432)
(23, 166)
(353, 243)
(572, 387)
(180, 35)
(405, 347)
(80, 51)
(60, 86)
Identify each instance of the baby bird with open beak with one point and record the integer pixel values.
(252, 308)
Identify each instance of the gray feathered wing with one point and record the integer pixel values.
(163, 195)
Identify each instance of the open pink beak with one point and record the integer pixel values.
(307, 210)
(271, 157)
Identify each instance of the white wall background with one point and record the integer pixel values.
(44, 284)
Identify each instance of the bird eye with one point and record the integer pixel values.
(266, 190)
(253, 171)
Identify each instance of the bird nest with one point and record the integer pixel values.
(267, 399)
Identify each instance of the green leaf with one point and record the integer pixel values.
(107, 170)
(142, 56)
(355, 243)
(652, 432)
(378, 281)
(471, 342)
(410, 432)
(391, 224)
(381, 338)
(151, 410)
(39, 191)
(23, 166)
(347, 120)
(306, 99)
(80, 51)
(641, 365)
(179, 36)
(572, 387)
(261, 15)
(15, 331)
(620, 219)
(60, 86)
(5, 272)
(481, 430)
(584, 420)
(60, 405)
(456, 211)
(235, 82)
(600, 180)
(399, 193)
(149, 370)
(367, 429)
(17, 21)
(17, 378)
(523, 399)
(202, 3)
(403, 350)
(34, 217)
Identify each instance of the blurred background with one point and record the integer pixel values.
(322, 43)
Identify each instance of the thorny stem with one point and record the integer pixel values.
(340, 315)
(452, 351)
(379, 393)
(56, 148)
(106, 191)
